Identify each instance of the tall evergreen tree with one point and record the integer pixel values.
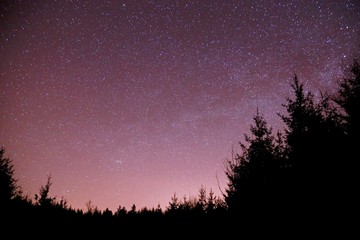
(44, 200)
(8, 188)
(299, 123)
(173, 204)
(201, 202)
(313, 141)
(251, 173)
(349, 100)
(210, 206)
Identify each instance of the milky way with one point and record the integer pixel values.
(127, 102)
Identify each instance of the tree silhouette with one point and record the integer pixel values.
(107, 213)
(210, 202)
(90, 208)
(8, 188)
(250, 173)
(62, 204)
(299, 121)
(158, 209)
(132, 209)
(173, 204)
(201, 202)
(308, 169)
(43, 198)
(349, 99)
(121, 212)
(314, 143)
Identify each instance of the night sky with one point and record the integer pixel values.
(128, 102)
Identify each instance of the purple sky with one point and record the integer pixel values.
(130, 101)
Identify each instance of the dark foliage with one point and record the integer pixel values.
(252, 174)
(8, 187)
(308, 172)
(348, 99)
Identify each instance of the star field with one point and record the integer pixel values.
(130, 101)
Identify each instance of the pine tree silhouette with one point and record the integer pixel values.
(8, 188)
(250, 173)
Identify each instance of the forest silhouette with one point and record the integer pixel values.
(306, 171)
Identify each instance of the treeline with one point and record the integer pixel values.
(44, 210)
(309, 169)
